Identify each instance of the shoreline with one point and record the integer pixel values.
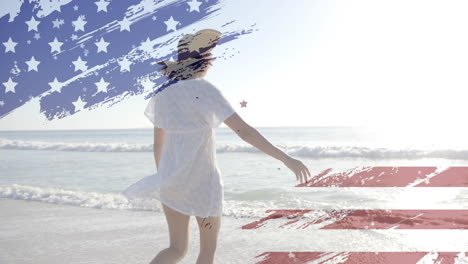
(43, 233)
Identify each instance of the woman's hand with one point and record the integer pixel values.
(298, 168)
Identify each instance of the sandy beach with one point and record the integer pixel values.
(38, 232)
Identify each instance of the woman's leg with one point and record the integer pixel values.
(178, 232)
(209, 229)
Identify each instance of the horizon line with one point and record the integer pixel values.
(13, 130)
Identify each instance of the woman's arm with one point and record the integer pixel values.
(158, 143)
(254, 138)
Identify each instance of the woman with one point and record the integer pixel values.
(188, 181)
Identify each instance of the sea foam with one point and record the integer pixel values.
(307, 151)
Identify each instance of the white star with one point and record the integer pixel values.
(56, 5)
(79, 23)
(73, 37)
(28, 41)
(10, 86)
(124, 65)
(102, 5)
(124, 24)
(55, 45)
(147, 45)
(75, 8)
(101, 86)
(37, 36)
(2, 103)
(80, 64)
(102, 45)
(10, 45)
(171, 24)
(32, 24)
(153, 17)
(79, 104)
(56, 86)
(194, 5)
(57, 23)
(32, 64)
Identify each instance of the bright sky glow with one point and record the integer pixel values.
(399, 64)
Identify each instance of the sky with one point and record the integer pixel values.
(394, 64)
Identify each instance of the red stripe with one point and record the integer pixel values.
(371, 219)
(363, 219)
(452, 177)
(391, 177)
(354, 257)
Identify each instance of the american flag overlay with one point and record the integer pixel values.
(79, 55)
(373, 219)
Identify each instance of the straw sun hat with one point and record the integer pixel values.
(194, 54)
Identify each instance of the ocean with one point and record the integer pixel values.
(60, 194)
(89, 168)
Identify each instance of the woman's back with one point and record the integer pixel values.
(188, 105)
(188, 179)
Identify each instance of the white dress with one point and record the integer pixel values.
(188, 179)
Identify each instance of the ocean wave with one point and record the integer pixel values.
(315, 151)
(248, 204)
(118, 201)
(70, 146)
